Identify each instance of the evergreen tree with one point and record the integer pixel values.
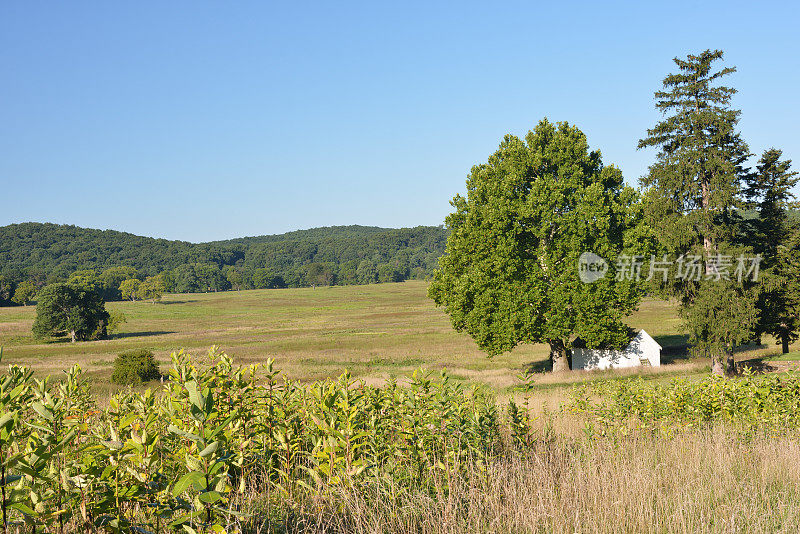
(769, 191)
(695, 188)
(780, 304)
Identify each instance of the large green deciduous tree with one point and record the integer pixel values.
(695, 188)
(510, 273)
(67, 309)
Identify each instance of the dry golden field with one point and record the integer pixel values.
(706, 479)
(375, 331)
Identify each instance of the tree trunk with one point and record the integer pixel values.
(784, 342)
(708, 244)
(730, 363)
(72, 335)
(716, 365)
(559, 355)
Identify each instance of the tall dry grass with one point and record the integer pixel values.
(696, 482)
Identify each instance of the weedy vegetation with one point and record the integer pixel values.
(184, 459)
(221, 448)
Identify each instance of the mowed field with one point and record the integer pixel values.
(376, 332)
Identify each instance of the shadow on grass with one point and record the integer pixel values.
(541, 366)
(769, 362)
(125, 335)
(756, 365)
(749, 346)
(168, 302)
(66, 340)
(55, 340)
(674, 348)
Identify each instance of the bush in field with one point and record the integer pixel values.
(134, 367)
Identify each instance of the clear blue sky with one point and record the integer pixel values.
(207, 120)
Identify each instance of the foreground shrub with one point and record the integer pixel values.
(228, 449)
(767, 402)
(182, 459)
(134, 367)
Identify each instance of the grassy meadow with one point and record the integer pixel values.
(376, 332)
(584, 452)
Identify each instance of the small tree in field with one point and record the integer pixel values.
(234, 277)
(320, 273)
(510, 273)
(114, 276)
(24, 293)
(74, 311)
(152, 289)
(129, 288)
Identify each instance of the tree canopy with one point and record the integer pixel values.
(66, 309)
(695, 192)
(510, 272)
(46, 253)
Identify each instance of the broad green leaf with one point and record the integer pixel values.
(39, 408)
(208, 451)
(210, 497)
(194, 478)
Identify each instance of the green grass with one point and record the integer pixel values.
(789, 357)
(377, 332)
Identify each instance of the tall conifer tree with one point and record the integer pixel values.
(769, 190)
(695, 188)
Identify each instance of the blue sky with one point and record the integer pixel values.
(208, 120)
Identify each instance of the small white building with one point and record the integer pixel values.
(642, 350)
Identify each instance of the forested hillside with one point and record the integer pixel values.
(44, 253)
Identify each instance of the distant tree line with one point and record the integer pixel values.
(122, 266)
